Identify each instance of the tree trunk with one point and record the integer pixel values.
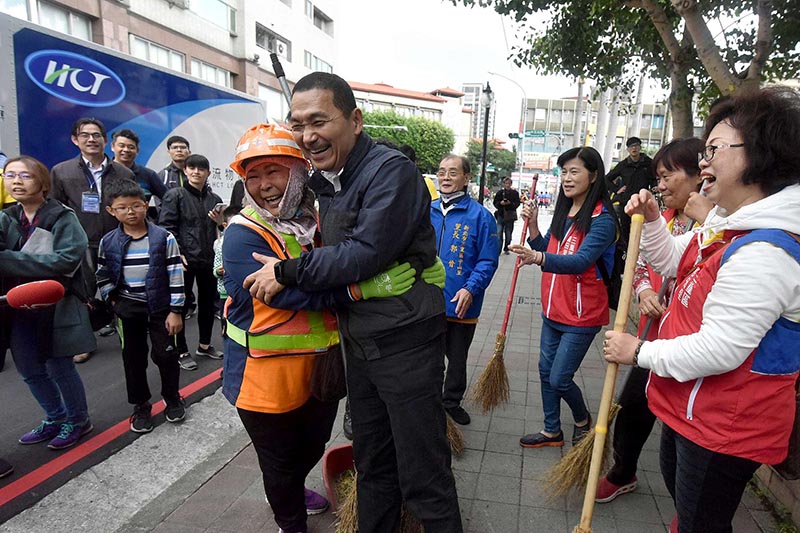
(680, 102)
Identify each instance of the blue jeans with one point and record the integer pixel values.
(53, 381)
(561, 351)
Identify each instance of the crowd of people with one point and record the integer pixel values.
(327, 295)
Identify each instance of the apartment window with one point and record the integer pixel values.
(210, 73)
(287, 2)
(309, 9)
(269, 40)
(277, 108)
(322, 21)
(647, 120)
(155, 53)
(59, 19)
(15, 8)
(316, 64)
(541, 113)
(217, 12)
(658, 121)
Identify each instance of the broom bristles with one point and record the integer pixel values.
(454, 437)
(347, 510)
(492, 388)
(572, 471)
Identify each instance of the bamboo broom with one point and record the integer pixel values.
(601, 428)
(492, 389)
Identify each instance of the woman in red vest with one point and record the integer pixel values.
(574, 297)
(675, 165)
(724, 368)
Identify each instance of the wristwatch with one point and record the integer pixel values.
(636, 354)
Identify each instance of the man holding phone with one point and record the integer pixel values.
(192, 213)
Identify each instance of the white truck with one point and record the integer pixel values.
(48, 80)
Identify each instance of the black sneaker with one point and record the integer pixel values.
(190, 311)
(141, 420)
(209, 352)
(107, 331)
(175, 411)
(459, 415)
(187, 362)
(578, 432)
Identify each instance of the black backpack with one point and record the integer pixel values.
(613, 281)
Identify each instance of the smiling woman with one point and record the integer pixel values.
(724, 370)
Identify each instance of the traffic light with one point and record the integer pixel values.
(513, 135)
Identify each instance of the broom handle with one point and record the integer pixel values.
(513, 289)
(601, 427)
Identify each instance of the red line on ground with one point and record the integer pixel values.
(67, 459)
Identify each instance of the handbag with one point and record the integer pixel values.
(790, 467)
(328, 379)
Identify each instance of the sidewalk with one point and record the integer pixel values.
(203, 475)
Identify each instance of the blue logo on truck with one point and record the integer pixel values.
(74, 78)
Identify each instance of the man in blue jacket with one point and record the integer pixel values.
(466, 234)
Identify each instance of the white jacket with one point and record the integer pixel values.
(756, 286)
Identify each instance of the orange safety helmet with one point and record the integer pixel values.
(263, 140)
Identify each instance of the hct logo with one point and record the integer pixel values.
(74, 78)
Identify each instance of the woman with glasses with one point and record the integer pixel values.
(42, 239)
(723, 372)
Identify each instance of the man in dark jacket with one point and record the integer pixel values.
(174, 174)
(80, 185)
(191, 213)
(506, 201)
(631, 175)
(375, 210)
(125, 145)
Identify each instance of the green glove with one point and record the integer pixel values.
(435, 274)
(392, 282)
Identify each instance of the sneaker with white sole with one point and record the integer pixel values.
(187, 362)
(209, 352)
(607, 491)
(315, 502)
(141, 419)
(175, 411)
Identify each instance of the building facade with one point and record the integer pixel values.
(441, 105)
(224, 42)
(472, 100)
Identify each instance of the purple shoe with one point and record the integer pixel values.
(70, 434)
(315, 503)
(44, 431)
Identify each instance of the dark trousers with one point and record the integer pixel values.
(399, 440)
(504, 232)
(288, 446)
(457, 342)
(632, 427)
(706, 486)
(135, 324)
(207, 297)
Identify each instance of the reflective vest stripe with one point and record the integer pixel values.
(265, 345)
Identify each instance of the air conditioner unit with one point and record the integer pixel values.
(282, 49)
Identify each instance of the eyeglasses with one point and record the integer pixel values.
(709, 151)
(138, 208)
(452, 173)
(96, 136)
(312, 126)
(21, 175)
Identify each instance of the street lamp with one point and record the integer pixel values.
(522, 112)
(487, 97)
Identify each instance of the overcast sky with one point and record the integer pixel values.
(428, 44)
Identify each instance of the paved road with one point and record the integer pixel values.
(108, 406)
